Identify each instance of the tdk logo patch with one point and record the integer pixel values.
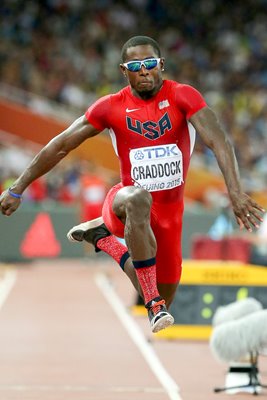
(150, 153)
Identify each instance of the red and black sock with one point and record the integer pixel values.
(145, 269)
(147, 277)
(114, 248)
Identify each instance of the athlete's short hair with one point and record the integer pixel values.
(139, 41)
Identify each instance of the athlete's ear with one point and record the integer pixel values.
(162, 63)
(123, 70)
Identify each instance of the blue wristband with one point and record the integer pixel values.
(16, 195)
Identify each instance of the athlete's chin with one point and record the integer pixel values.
(147, 88)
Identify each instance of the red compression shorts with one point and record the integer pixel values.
(166, 223)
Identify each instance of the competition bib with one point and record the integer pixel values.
(157, 167)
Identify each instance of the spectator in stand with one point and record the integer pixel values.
(93, 191)
(37, 191)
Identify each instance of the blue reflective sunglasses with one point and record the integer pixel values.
(135, 66)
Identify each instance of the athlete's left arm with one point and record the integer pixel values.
(211, 132)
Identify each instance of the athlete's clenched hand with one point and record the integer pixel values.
(8, 203)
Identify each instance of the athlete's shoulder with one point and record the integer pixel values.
(169, 83)
(183, 91)
(186, 97)
(178, 86)
(120, 96)
(98, 112)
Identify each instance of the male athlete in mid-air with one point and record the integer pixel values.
(152, 123)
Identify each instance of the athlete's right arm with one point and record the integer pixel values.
(46, 159)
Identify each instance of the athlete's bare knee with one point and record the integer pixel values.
(129, 199)
(138, 204)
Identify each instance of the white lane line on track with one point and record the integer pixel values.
(79, 388)
(138, 338)
(6, 284)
